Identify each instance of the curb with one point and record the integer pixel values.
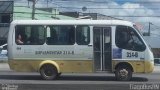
(156, 69)
(4, 66)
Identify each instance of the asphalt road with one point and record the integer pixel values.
(10, 80)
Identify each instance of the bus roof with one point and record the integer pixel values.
(72, 22)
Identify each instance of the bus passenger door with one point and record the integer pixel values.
(102, 48)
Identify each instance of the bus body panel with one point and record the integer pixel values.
(73, 58)
(77, 66)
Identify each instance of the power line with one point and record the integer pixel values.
(157, 26)
(103, 2)
(61, 6)
(107, 8)
(73, 9)
(135, 15)
(120, 1)
(93, 15)
(156, 34)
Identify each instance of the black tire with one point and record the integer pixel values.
(48, 72)
(59, 74)
(123, 73)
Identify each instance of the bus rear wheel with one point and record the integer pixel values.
(123, 73)
(48, 72)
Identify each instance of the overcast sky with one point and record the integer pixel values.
(133, 10)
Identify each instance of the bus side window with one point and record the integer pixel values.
(20, 36)
(121, 36)
(51, 35)
(30, 34)
(127, 38)
(82, 35)
(36, 35)
(61, 35)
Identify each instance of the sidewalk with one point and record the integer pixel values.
(156, 68)
(5, 67)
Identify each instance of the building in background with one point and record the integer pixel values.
(93, 16)
(6, 16)
(23, 12)
(97, 16)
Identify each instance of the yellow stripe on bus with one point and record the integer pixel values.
(138, 66)
(64, 66)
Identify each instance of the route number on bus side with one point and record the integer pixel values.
(132, 54)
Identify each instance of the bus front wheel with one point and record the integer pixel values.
(48, 72)
(123, 73)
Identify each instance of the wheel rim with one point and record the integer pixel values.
(123, 73)
(48, 71)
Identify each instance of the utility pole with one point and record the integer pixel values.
(149, 29)
(33, 9)
(47, 3)
(28, 3)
